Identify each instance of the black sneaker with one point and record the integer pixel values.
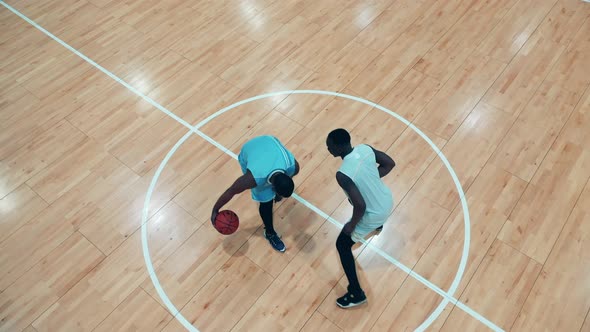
(275, 241)
(350, 300)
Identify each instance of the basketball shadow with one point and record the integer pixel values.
(229, 242)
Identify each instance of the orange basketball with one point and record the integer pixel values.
(227, 222)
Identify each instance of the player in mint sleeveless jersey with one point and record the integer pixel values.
(360, 178)
(268, 168)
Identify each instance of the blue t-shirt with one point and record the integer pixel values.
(263, 156)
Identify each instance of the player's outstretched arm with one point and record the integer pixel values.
(357, 200)
(386, 163)
(241, 184)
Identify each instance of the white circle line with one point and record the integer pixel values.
(194, 129)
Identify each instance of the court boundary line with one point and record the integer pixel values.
(447, 296)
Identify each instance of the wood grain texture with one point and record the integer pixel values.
(502, 88)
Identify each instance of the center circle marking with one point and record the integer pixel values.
(467, 225)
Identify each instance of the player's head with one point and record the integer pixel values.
(283, 185)
(338, 142)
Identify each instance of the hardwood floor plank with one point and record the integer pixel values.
(30, 243)
(51, 146)
(558, 300)
(97, 295)
(467, 151)
(458, 44)
(515, 28)
(17, 208)
(501, 88)
(535, 223)
(491, 199)
(410, 307)
(227, 296)
(47, 281)
(319, 322)
(498, 289)
(138, 312)
(307, 280)
(333, 75)
(457, 98)
(388, 68)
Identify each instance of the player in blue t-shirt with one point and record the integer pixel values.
(268, 169)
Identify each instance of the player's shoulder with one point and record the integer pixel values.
(365, 149)
(262, 138)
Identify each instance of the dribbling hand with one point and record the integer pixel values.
(213, 217)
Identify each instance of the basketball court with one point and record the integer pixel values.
(120, 122)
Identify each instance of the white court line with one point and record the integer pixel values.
(446, 295)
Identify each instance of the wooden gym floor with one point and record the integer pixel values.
(501, 87)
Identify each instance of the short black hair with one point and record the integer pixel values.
(339, 137)
(283, 185)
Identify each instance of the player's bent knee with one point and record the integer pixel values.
(344, 242)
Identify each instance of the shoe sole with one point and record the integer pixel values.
(352, 304)
(278, 249)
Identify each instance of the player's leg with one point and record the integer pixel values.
(265, 210)
(355, 294)
(271, 235)
(379, 228)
